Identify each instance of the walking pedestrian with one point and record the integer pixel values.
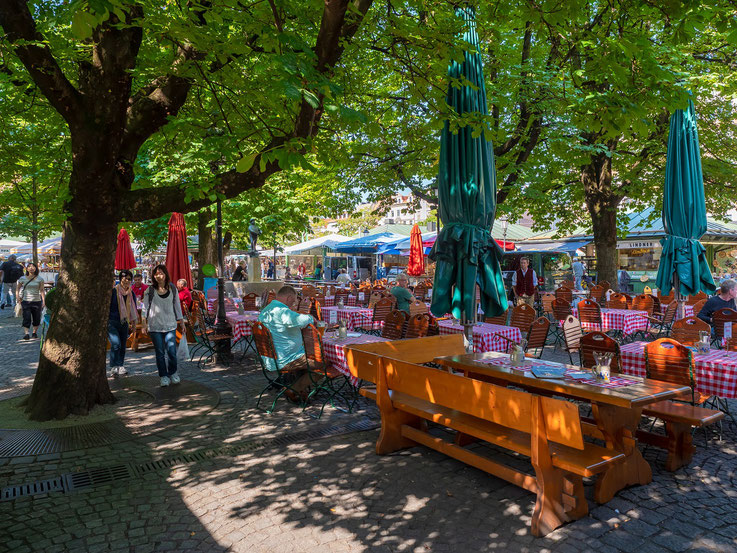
(123, 316)
(10, 272)
(162, 311)
(30, 293)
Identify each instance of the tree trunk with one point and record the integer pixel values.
(34, 244)
(602, 202)
(208, 251)
(71, 371)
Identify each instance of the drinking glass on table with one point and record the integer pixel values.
(321, 326)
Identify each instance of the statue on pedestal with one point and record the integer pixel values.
(255, 232)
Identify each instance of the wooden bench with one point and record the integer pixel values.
(679, 418)
(546, 430)
(362, 359)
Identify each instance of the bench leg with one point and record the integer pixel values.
(618, 426)
(390, 438)
(549, 511)
(680, 445)
(574, 498)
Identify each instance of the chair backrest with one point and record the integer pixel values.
(304, 305)
(604, 284)
(564, 293)
(308, 290)
(312, 341)
(417, 307)
(698, 306)
(597, 293)
(656, 303)
(670, 313)
(686, 330)
(249, 301)
(341, 295)
(382, 308)
(498, 319)
(617, 301)
(420, 292)
(264, 342)
(417, 326)
(665, 299)
(696, 297)
(643, 302)
(537, 336)
(373, 298)
(647, 290)
(669, 361)
(315, 309)
(555, 419)
(589, 312)
(570, 284)
(319, 298)
(270, 296)
(572, 333)
(201, 324)
(522, 317)
(547, 299)
(329, 290)
(561, 309)
(722, 317)
(599, 342)
(394, 325)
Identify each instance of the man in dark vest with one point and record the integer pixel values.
(524, 283)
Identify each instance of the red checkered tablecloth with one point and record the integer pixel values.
(687, 310)
(484, 335)
(350, 301)
(242, 323)
(334, 351)
(355, 317)
(626, 320)
(716, 371)
(614, 381)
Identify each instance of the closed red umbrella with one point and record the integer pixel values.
(177, 259)
(124, 258)
(416, 265)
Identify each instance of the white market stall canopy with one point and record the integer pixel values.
(329, 241)
(11, 246)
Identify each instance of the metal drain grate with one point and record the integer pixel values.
(34, 488)
(96, 477)
(21, 443)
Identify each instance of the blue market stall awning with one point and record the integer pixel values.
(561, 246)
(369, 244)
(683, 259)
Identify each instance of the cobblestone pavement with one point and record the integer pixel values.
(327, 494)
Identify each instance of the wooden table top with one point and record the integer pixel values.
(645, 391)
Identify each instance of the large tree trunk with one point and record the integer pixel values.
(602, 202)
(71, 371)
(207, 245)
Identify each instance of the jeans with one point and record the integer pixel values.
(7, 294)
(578, 282)
(117, 333)
(165, 345)
(31, 313)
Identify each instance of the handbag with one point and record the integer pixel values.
(18, 309)
(183, 349)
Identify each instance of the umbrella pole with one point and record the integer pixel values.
(223, 330)
(467, 333)
(681, 308)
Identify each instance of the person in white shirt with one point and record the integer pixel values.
(524, 282)
(343, 278)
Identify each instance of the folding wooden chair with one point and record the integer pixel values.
(564, 293)
(604, 284)
(643, 302)
(589, 312)
(659, 325)
(572, 333)
(393, 328)
(719, 320)
(326, 379)
(697, 307)
(278, 379)
(522, 317)
(382, 308)
(695, 298)
(598, 342)
(417, 307)
(420, 292)
(686, 330)
(249, 301)
(418, 326)
(498, 319)
(597, 294)
(617, 301)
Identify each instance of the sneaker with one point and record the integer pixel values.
(114, 371)
(26, 337)
(35, 335)
(165, 381)
(175, 378)
(122, 371)
(2, 306)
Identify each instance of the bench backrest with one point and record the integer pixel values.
(503, 406)
(362, 359)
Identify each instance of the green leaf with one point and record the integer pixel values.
(245, 163)
(81, 26)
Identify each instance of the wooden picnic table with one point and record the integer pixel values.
(616, 409)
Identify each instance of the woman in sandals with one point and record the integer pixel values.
(31, 295)
(161, 312)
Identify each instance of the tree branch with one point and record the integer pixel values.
(30, 47)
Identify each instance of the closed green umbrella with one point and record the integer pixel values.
(683, 263)
(465, 252)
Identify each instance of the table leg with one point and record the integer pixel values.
(618, 425)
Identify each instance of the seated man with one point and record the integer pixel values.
(185, 296)
(402, 293)
(343, 278)
(285, 326)
(725, 298)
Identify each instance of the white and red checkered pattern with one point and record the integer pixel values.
(485, 335)
(355, 317)
(614, 381)
(350, 301)
(242, 323)
(334, 351)
(687, 310)
(716, 371)
(626, 320)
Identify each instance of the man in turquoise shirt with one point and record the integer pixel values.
(402, 293)
(285, 326)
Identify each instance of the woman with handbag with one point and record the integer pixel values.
(161, 313)
(31, 295)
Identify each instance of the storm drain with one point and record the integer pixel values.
(79, 481)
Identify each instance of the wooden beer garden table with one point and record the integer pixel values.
(616, 407)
